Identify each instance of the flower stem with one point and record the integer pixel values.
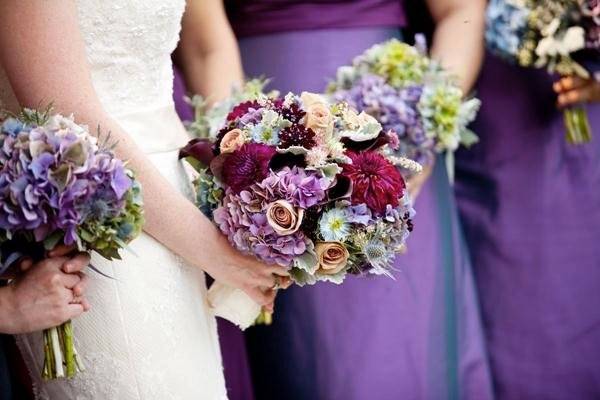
(57, 352)
(264, 318)
(66, 330)
(48, 362)
(578, 125)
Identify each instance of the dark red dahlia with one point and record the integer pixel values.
(248, 165)
(297, 135)
(375, 181)
(241, 109)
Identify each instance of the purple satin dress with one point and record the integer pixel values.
(415, 337)
(233, 349)
(531, 210)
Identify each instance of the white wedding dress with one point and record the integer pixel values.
(150, 334)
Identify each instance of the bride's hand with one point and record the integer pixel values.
(244, 272)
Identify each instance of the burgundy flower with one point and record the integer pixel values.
(246, 166)
(375, 181)
(293, 113)
(297, 135)
(241, 109)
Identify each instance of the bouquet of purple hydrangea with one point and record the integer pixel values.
(59, 186)
(305, 184)
(410, 95)
(561, 36)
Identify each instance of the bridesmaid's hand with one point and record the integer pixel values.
(260, 281)
(573, 90)
(415, 184)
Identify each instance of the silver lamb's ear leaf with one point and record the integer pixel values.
(328, 171)
(301, 277)
(296, 150)
(306, 262)
(336, 278)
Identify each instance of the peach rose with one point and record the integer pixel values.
(332, 257)
(283, 218)
(233, 140)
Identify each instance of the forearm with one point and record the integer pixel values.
(458, 42)
(170, 217)
(6, 310)
(212, 74)
(208, 52)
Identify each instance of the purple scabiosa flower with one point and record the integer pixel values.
(297, 135)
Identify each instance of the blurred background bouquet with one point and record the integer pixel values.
(562, 36)
(58, 185)
(411, 95)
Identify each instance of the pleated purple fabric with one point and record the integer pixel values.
(530, 203)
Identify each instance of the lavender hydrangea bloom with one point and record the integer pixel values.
(57, 184)
(396, 110)
(301, 188)
(242, 219)
(359, 214)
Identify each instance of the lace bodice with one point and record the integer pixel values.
(128, 45)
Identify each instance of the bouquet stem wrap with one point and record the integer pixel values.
(233, 305)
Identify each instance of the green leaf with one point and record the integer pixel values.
(468, 138)
(85, 235)
(51, 241)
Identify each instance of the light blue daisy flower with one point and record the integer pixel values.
(334, 225)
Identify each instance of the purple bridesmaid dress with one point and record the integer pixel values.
(415, 337)
(233, 349)
(531, 209)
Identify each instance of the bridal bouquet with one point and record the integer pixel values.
(58, 185)
(307, 185)
(411, 95)
(562, 36)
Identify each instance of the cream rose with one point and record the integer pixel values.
(332, 257)
(283, 217)
(308, 99)
(320, 120)
(318, 115)
(233, 140)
